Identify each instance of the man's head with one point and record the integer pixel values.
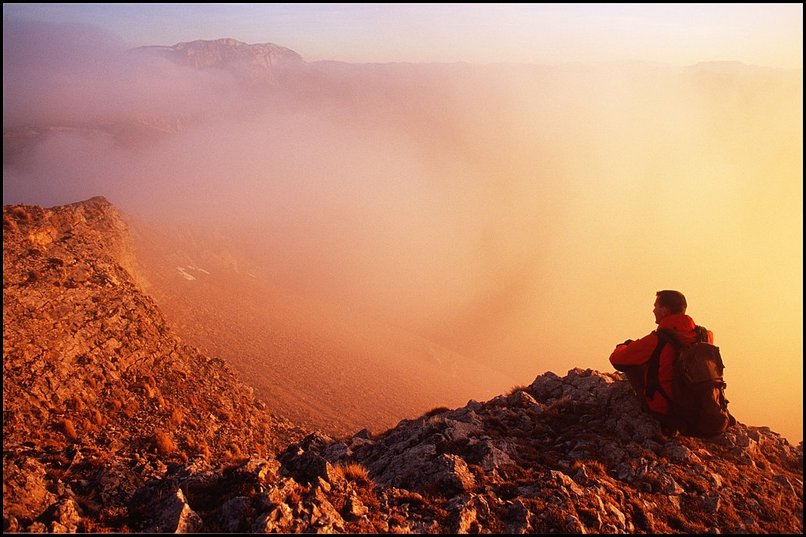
(668, 303)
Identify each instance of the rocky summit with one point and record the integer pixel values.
(112, 423)
(249, 62)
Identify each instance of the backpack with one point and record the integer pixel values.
(697, 403)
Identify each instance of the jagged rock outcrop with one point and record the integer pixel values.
(571, 454)
(111, 423)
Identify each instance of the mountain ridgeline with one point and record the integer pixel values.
(111, 422)
(256, 63)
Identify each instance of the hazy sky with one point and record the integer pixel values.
(680, 34)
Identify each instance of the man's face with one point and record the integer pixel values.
(659, 311)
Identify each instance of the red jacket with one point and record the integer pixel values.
(639, 352)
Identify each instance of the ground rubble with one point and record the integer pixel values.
(571, 454)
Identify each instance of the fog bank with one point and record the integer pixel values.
(520, 215)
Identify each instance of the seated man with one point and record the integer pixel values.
(654, 386)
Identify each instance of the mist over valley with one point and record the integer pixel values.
(387, 238)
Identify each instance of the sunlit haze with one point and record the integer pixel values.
(517, 193)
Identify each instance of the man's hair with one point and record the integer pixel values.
(673, 300)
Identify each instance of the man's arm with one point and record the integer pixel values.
(635, 353)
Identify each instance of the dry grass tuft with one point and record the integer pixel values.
(21, 214)
(437, 410)
(595, 468)
(196, 446)
(560, 405)
(518, 388)
(176, 417)
(9, 224)
(164, 443)
(88, 426)
(354, 472)
(233, 454)
(68, 429)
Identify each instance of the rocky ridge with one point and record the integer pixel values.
(111, 423)
(92, 376)
(571, 454)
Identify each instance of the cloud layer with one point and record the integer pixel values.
(522, 214)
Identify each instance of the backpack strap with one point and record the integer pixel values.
(653, 382)
(653, 365)
(671, 337)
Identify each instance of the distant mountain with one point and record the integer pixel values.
(250, 62)
(112, 423)
(253, 67)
